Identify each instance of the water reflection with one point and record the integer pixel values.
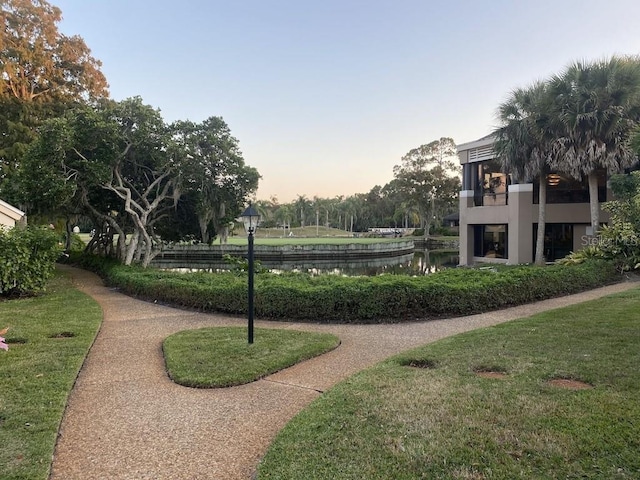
(421, 262)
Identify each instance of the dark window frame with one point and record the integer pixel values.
(490, 185)
(490, 242)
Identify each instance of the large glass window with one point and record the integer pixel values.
(490, 241)
(490, 184)
(562, 188)
(558, 240)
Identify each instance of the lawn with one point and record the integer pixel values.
(221, 356)
(481, 405)
(310, 240)
(49, 337)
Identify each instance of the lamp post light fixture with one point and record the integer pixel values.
(250, 218)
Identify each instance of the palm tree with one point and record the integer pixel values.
(283, 215)
(598, 105)
(351, 211)
(302, 206)
(524, 144)
(338, 209)
(266, 210)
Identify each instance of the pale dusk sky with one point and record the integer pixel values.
(325, 97)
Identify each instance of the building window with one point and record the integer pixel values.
(490, 241)
(558, 240)
(562, 188)
(490, 184)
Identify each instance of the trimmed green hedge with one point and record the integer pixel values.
(386, 298)
(27, 259)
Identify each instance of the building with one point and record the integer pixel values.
(499, 219)
(10, 215)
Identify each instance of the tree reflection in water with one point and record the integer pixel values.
(421, 262)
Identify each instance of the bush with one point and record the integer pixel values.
(27, 259)
(444, 231)
(386, 298)
(77, 244)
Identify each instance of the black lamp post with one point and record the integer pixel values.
(250, 218)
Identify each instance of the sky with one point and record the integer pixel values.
(326, 96)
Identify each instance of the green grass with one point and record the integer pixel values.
(309, 231)
(311, 240)
(444, 421)
(49, 337)
(221, 356)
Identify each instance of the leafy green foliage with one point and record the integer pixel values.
(27, 259)
(221, 356)
(216, 180)
(619, 241)
(119, 164)
(429, 180)
(386, 298)
(44, 72)
(241, 265)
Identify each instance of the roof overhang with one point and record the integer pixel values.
(11, 211)
(482, 142)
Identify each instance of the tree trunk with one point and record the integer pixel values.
(542, 210)
(224, 235)
(121, 248)
(593, 203)
(427, 227)
(140, 250)
(132, 247)
(68, 235)
(202, 224)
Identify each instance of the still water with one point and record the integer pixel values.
(421, 262)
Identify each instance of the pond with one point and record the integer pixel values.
(421, 262)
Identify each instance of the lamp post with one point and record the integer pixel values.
(250, 218)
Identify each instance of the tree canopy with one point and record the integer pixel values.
(524, 144)
(576, 122)
(40, 64)
(596, 105)
(119, 164)
(428, 178)
(42, 72)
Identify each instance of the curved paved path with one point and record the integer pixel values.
(126, 420)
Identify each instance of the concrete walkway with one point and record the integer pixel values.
(126, 420)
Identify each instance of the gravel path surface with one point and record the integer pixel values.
(126, 420)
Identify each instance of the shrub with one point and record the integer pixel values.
(27, 259)
(386, 298)
(77, 244)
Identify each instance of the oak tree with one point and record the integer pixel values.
(42, 72)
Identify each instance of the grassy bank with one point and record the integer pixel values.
(49, 337)
(433, 413)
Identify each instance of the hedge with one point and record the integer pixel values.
(381, 299)
(27, 259)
